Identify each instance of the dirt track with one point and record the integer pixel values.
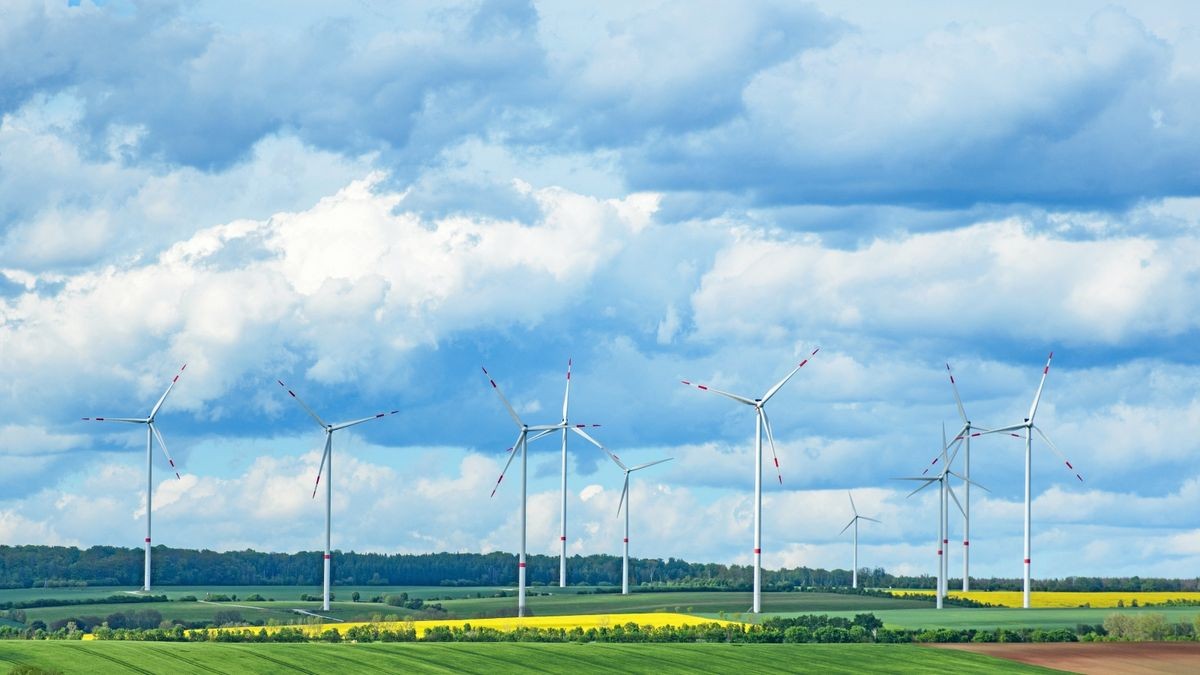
(1097, 657)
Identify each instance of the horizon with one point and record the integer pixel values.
(656, 194)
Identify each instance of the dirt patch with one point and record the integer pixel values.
(1097, 657)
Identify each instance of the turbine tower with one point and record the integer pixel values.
(1029, 428)
(327, 469)
(760, 422)
(943, 480)
(854, 522)
(151, 433)
(562, 531)
(521, 447)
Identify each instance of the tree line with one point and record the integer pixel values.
(59, 566)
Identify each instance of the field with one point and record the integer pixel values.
(584, 621)
(149, 657)
(1005, 617)
(559, 602)
(1065, 598)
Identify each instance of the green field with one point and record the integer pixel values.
(561, 601)
(150, 657)
(1006, 617)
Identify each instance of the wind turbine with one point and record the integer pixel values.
(624, 501)
(943, 480)
(760, 422)
(521, 446)
(562, 532)
(151, 433)
(966, 433)
(327, 469)
(1029, 428)
(854, 522)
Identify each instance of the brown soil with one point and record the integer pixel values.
(1097, 657)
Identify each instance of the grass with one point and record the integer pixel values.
(1003, 617)
(491, 658)
(559, 603)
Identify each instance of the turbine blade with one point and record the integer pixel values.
(503, 400)
(1002, 430)
(704, 387)
(164, 396)
(343, 425)
(543, 434)
(955, 497)
(624, 494)
(131, 420)
(647, 465)
(771, 441)
(567, 393)
(849, 524)
(303, 404)
(1060, 455)
(965, 479)
(957, 399)
(512, 454)
(852, 506)
(779, 385)
(927, 484)
(163, 444)
(324, 456)
(1038, 396)
(600, 445)
(870, 519)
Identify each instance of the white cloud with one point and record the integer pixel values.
(987, 278)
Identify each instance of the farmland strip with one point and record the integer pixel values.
(289, 666)
(113, 659)
(515, 663)
(409, 652)
(165, 651)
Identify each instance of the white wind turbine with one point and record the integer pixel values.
(854, 522)
(968, 431)
(327, 469)
(624, 501)
(151, 433)
(562, 532)
(521, 446)
(1029, 428)
(760, 422)
(943, 480)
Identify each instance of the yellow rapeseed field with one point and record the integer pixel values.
(1065, 598)
(584, 621)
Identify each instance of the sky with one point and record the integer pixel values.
(372, 200)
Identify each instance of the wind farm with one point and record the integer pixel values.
(689, 248)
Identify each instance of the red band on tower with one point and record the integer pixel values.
(758, 551)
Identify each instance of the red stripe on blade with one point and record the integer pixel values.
(562, 538)
(1027, 561)
(327, 556)
(520, 564)
(757, 551)
(147, 540)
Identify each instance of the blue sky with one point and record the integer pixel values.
(372, 202)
